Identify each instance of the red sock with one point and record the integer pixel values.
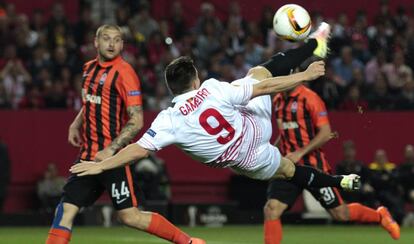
(163, 228)
(361, 213)
(58, 236)
(273, 231)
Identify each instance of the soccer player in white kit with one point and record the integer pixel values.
(227, 125)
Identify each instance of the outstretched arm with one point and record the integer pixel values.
(128, 132)
(283, 83)
(127, 155)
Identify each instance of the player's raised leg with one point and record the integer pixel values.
(61, 230)
(284, 62)
(155, 224)
(310, 177)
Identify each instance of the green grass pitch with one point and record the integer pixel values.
(230, 234)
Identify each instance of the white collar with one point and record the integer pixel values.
(185, 96)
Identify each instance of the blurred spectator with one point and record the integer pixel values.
(406, 173)
(4, 173)
(241, 68)
(353, 100)
(56, 97)
(4, 98)
(144, 23)
(236, 36)
(344, 66)
(327, 88)
(340, 33)
(33, 99)
(400, 20)
(50, 188)
(37, 23)
(266, 23)
(151, 176)
(57, 26)
(406, 99)
(374, 66)
(15, 77)
(207, 15)
(360, 47)
(379, 97)
(384, 179)
(207, 41)
(350, 165)
(39, 60)
(178, 25)
(253, 52)
(156, 48)
(84, 25)
(397, 72)
(235, 15)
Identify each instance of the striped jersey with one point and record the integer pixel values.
(108, 88)
(208, 124)
(301, 113)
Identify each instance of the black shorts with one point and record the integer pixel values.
(85, 190)
(287, 192)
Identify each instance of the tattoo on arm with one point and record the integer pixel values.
(131, 128)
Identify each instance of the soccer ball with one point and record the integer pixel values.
(292, 22)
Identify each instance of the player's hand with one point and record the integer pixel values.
(295, 156)
(315, 70)
(104, 154)
(74, 137)
(86, 168)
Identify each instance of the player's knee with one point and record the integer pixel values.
(131, 219)
(340, 214)
(273, 209)
(288, 168)
(65, 214)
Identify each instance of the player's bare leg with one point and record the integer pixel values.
(61, 230)
(310, 177)
(155, 224)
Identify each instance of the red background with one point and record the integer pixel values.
(36, 138)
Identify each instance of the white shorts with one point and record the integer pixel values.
(267, 157)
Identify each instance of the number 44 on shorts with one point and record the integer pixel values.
(116, 192)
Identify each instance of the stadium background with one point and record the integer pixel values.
(52, 38)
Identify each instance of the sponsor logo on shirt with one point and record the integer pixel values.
(134, 93)
(91, 98)
(290, 125)
(151, 132)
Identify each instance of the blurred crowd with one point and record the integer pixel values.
(370, 67)
(383, 182)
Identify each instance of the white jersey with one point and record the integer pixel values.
(215, 126)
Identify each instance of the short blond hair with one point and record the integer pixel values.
(108, 27)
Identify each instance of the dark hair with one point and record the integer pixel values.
(179, 74)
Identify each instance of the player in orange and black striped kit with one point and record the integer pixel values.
(304, 127)
(111, 116)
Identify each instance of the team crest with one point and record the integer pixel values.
(294, 107)
(103, 78)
